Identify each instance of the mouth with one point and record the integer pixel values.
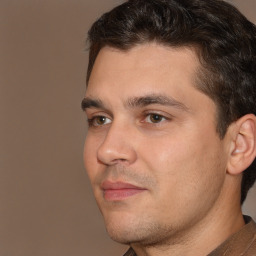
(117, 191)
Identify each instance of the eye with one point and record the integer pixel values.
(154, 118)
(99, 121)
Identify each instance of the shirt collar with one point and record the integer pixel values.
(237, 244)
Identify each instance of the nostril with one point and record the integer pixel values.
(121, 160)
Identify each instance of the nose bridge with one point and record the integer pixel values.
(117, 145)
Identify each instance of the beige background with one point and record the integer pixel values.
(46, 204)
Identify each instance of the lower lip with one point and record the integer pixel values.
(120, 194)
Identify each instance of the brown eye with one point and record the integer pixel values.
(99, 121)
(154, 118)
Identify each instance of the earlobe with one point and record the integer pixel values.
(243, 151)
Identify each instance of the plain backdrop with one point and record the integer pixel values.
(46, 203)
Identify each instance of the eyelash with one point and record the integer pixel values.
(145, 116)
(158, 118)
(92, 120)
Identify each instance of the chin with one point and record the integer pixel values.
(122, 230)
(121, 238)
(127, 236)
(134, 231)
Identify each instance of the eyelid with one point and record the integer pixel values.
(93, 119)
(167, 116)
(93, 112)
(93, 115)
(151, 122)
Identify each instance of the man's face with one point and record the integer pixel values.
(155, 161)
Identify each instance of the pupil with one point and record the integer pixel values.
(101, 119)
(155, 118)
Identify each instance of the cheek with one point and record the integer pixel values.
(184, 164)
(164, 153)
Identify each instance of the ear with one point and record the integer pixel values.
(243, 146)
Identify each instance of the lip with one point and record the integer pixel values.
(117, 191)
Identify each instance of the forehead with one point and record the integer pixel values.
(144, 69)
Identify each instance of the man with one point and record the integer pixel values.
(171, 144)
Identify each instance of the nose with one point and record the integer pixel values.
(118, 146)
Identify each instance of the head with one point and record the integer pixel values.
(226, 48)
(184, 72)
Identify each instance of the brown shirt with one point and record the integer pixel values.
(242, 243)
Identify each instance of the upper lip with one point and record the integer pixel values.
(109, 185)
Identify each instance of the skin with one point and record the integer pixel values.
(150, 127)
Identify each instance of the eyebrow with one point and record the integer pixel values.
(136, 102)
(91, 103)
(155, 99)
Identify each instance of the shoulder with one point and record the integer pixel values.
(251, 245)
(242, 243)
